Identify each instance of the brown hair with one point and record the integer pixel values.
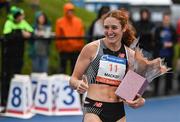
(123, 17)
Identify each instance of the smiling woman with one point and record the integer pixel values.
(100, 76)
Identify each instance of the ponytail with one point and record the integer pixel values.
(129, 35)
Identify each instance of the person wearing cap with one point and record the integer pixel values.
(39, 48)
(16, 30)
(69, 26)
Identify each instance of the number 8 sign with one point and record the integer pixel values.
(16, 96)
(19, 99)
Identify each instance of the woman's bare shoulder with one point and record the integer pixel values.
(92, 46)
(90, 50)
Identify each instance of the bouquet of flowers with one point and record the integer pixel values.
(150, 69)
(142, 71)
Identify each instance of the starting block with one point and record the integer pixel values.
(1, 109)
(34, 82)
(67, 99)
(43, 103)
(20, 98)
(54, 96)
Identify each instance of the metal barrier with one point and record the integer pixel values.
(53, 37)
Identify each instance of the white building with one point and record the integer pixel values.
(157, 7)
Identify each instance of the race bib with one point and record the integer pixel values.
(111, 70)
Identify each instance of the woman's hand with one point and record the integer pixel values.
(26, 34)
(138, 102)
(40, 33)
(82, 85)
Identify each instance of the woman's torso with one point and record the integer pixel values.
(42, 45)
(100, 90)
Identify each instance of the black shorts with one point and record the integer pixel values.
(107, 112)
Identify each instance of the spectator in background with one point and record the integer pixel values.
(40, 47)
(16, 30)
(178, 30)
(129, 13)
(35, 4)
(96, 28)
(144, 29)
(177, 55)
(69, 26)
(165, 37)
(98, 25)
(6, 4)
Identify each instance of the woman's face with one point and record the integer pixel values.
(166, 20)
(41, 19)
(112, 30)
(145, 15)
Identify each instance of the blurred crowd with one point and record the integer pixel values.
(156, 40)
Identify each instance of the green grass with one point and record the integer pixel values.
(54, 10)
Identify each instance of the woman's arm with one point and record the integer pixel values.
(78, 81)
(139, 101)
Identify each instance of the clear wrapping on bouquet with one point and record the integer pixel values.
(142, 72)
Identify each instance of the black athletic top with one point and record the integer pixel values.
(108, 67)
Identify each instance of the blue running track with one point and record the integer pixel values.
(164, 109)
